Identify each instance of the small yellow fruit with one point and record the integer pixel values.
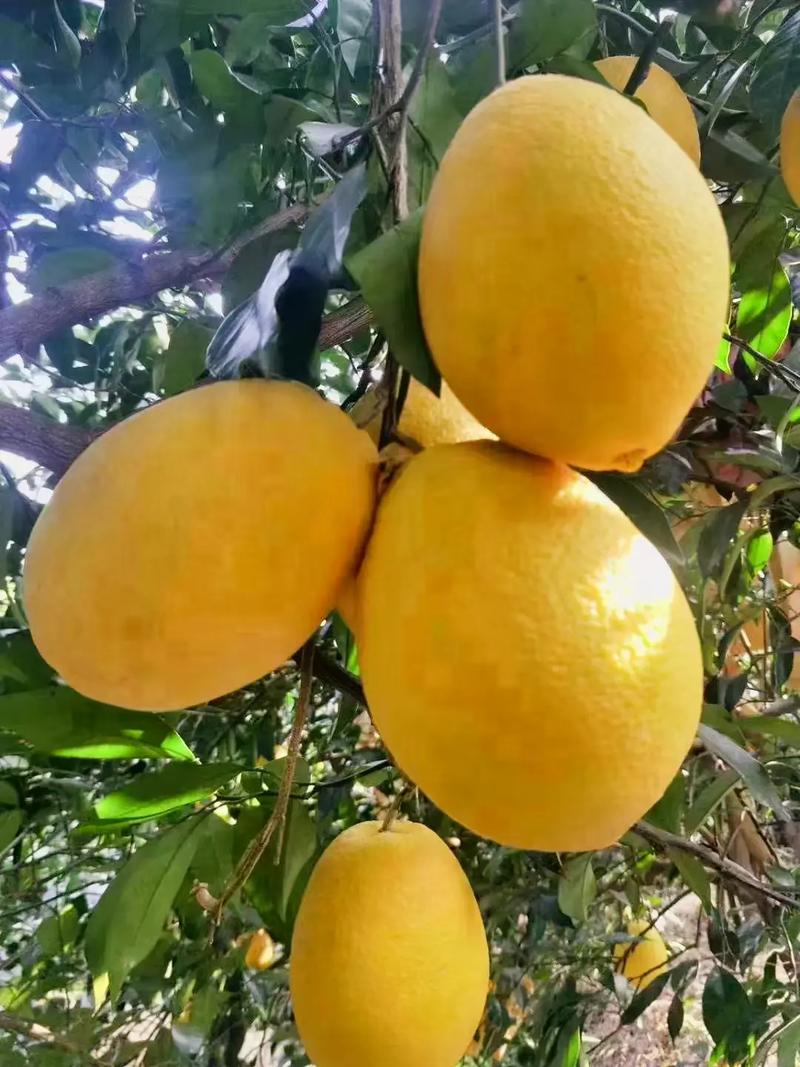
(429, 419)
(666, 102)
(195, 546)
(520, 641)
(260, 954)
(573, 273)
(790, 147)
(389, 959)
(640, 962)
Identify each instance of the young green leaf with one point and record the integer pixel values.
(129, 919)
(62, 722)
(150, 795)
(577, 887)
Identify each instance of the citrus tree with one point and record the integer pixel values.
(199, 189)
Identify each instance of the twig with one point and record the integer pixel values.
(645, 60)
(255, 850)
(788, 376)
(402, 103)
(725, 867)
(328, 670)
(42, 1035)
(500, 42)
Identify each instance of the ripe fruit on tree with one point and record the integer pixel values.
(643, 960)
(389, 960)
(603, 266)
(790, 147)
(260, 954)
(528, 656)
(666, 102)
(195, 546)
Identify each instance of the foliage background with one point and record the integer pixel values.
(155, 156)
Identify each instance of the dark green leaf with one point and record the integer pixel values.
(675, 1017)
(757, 779)
(180, 365)
(60, 721)
(769, 726)
(547, 27)
(718, 534)
(353, 19)
(20, 45)
(158, 792)
(213, 860)
(667, 811)
(57, 932)
(9, 798)
(121, 17)
(577, 887)
(68, 47)
(67, 264)
(727, 156)
(10, 822)
(128, 921)
(777, 74)
(435, 116)
(225, 92)
(694, 874)
(709, 797)
(644, 998)
(386, 271)
(726, 1009)
(280, 12)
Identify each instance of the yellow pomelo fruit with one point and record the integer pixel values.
(389, 959)
(520, 641)
(640, 962)
(573, 273)
(195, 546)
(260, 954)
(666, 102)
(429, 420)
(790, 147)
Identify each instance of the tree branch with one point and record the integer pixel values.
(28, 324)
(41, 1035)
(39, 439)
(726, 868)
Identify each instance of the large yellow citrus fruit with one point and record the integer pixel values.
(389, 959)
(529, 659)
(642, 961)
(573, 273)
(790, 147)
(195, 546)
(666, 102)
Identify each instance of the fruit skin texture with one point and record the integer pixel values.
(790, 147)
(195, 546)
(573, 273)
(641, 963)
(528, 657)
(666, 102)
(389, 959)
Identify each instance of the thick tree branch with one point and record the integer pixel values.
(34, 437)
(725, 867)
(26, 325)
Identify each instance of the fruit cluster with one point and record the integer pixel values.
(528, 656)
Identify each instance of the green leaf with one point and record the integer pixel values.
(9, 798)
(280, 12)
(778, 73)
(62, 722)
(770, 726)
(181, 364)
(21, 666)
(726, 1008)
(8, 501)
(757, 779)
(694, 874)
(545, 28)
(353, 19)
(225, 92)
(708, 799)
(789, 1043)
(759, 549)
(68, 47)
(643, 512)
(57, 932)
(435, 115)
(213, 861)
(765, 307)
(121, 17)
(577, 887)
(20, 46)
(729, 157)
(386, 271)
(131, 914)
(675, 1017)
(67, 264)
(718, 534)
(667, 811)
(10, 822)
(644, 998)
(723, 356)
(158, 792)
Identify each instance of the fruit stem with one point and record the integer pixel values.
(277, 822)
(645, 60)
